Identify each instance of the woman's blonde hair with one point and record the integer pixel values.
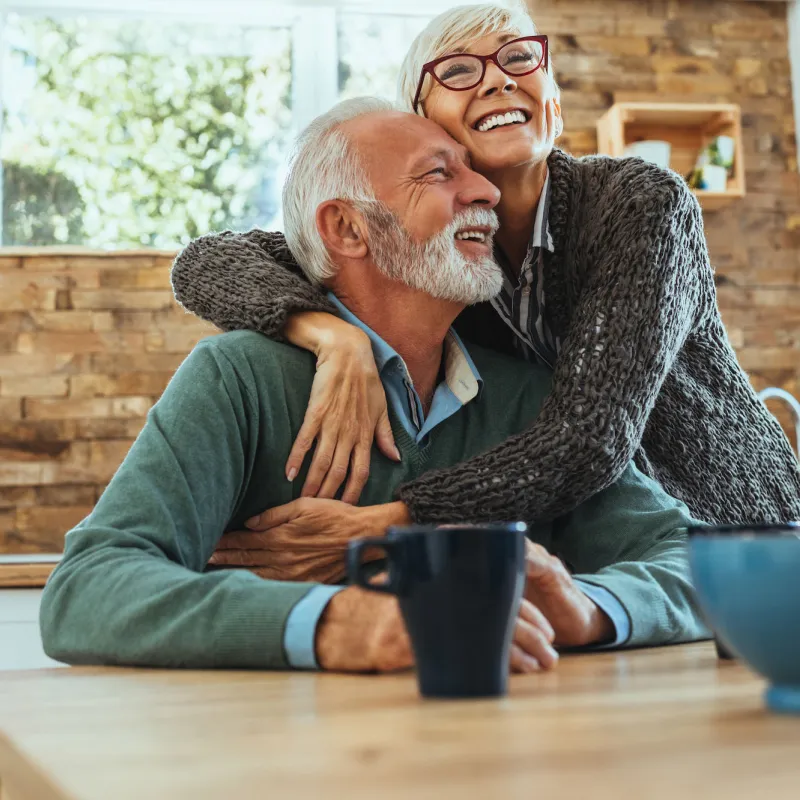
(456, 28)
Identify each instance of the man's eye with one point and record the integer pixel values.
(437, 171)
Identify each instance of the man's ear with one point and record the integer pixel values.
(342, 229)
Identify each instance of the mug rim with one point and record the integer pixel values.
(497, 527)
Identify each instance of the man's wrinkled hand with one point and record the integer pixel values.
(575, 619)
(361, 631)
(532, 647)
(304, 540)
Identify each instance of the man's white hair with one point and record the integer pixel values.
(324, 166)
(456, 28)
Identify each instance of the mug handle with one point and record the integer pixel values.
(355, 566)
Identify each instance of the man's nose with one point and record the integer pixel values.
(477, 190)
(495, 81)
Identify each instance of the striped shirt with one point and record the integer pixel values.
(521, 301)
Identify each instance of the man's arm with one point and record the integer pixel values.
(630, 540)
(130, 589)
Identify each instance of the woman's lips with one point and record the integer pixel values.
(507, 118)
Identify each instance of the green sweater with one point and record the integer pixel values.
(131, 588)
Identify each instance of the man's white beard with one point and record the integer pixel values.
(434, 266)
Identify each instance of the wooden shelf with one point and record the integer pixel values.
(688, 127)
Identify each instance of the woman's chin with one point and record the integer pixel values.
(509, 157)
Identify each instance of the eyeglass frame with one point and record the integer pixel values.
(427, 69)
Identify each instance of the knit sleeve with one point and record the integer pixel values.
(244, 281)
(635, 311)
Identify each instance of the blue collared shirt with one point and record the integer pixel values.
(462, 383)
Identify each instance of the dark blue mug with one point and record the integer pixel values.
(459, 589)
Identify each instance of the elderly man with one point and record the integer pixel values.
(383, 208)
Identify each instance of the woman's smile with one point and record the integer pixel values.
(501, 119)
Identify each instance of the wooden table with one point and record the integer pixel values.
(647, 724)
(27, 571)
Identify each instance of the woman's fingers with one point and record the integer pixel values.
(337, 471)
(347, 405)
(359, 472)
(384, 437)
(320, 463)
(302, 444)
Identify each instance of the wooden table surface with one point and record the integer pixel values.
(646, 724)
(26, 571)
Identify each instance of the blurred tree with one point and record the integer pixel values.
(124, 133)
(39, 207)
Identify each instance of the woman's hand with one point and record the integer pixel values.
(347, 408)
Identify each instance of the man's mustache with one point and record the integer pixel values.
(473, 218)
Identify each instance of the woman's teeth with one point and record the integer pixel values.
(476, 235)
(496, 121)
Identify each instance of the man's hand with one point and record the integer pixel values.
(362, 631)
(575, 619)
(305, 540)
(531, 649)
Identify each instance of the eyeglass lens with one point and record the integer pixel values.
(515, 58)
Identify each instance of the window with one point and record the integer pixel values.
(371, 50)
(147, 128)
(141, 134)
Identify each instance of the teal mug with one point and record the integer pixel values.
(747, 579)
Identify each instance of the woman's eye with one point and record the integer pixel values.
(455, 71)
(517, 57)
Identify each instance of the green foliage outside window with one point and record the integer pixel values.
(126, 133)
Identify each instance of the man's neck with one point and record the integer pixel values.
(520, 192)
(413, 323)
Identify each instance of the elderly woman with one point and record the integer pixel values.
(607, 280)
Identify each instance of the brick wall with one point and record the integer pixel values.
(88, 340)
(87, 343)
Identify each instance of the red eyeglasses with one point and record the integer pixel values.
(465, 71)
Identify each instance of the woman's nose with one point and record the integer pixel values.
(496, 81)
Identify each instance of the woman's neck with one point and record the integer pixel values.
(520, 192)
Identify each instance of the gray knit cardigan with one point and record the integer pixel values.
(645, 371)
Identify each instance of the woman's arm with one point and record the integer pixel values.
(250, 281)
(244, 281)
(631, 321)
(346, 410)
